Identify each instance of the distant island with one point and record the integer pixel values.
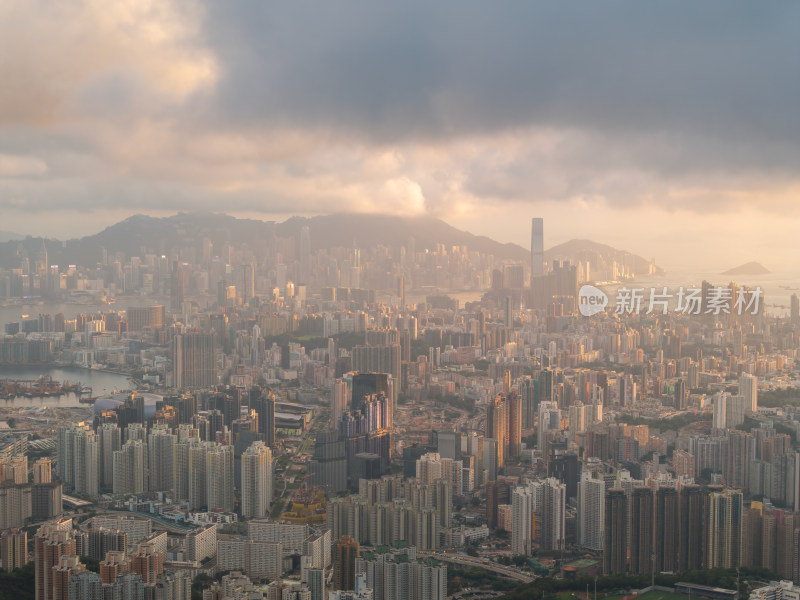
(751, 268)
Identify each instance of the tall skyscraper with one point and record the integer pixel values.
(377, 359)
(130, 468)
(194, 360)
(220, 477)
(53, 540)
(615, 540)
(681, 394)
(78, 458)
(46, 494)
(667, 528)
(537, 247)
(720, 409)
(497, 418)
(748, 388)
(549, 420)
(339, 397)
(725, 509)
(13, 549)
(68, 568)
(328, 467)
(263, 402)
(514, 425)
(550, 496)
(736, 450)
(693, 527)
(345, 552)
(508, 312)
(591, 510)
(43, 471)
(305, 255)
(735, 410)
(522, 521)
(160, 451)
(256, 481)
(529, 392)
(110, 442)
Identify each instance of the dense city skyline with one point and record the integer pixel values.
(399, 301)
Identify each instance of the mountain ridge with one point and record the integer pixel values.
(140, 234)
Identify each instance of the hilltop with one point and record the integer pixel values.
(141, 234)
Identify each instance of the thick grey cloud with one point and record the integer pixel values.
(446, 107)
(422, 70)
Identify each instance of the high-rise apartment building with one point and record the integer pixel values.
(161, 457)
(110, 442)
(256, 480)
(13, 549)
(68, 568)
(748, 389)
(667, 527)
(397, 574)
(693, 527)
(53, 540)
(263, 402)
(615, 541)
(514, 425)
(339, 398)
(220, 477)
(522, 521)
(549, 421)
(497, 419)
(641, 538)
(130, 468)
(720, 410)
(84, 584)
(366, 384)
(725, 510)
(148, 562)
(550, 510)
(345, 553)
(591, 510)
(16, 505)
(736, 450)
(103, 541)
(194, 360)
(78, 458)
(140, 318)
(384, 358)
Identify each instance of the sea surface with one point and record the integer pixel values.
(777, 288)
(102, 383)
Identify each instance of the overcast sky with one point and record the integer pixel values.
(669, 129)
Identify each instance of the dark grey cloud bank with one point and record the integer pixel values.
(719, 82)
(620, 101)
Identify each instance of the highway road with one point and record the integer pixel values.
(471, 561)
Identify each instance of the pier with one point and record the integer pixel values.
(44, 387)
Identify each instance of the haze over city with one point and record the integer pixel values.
(461, 300)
